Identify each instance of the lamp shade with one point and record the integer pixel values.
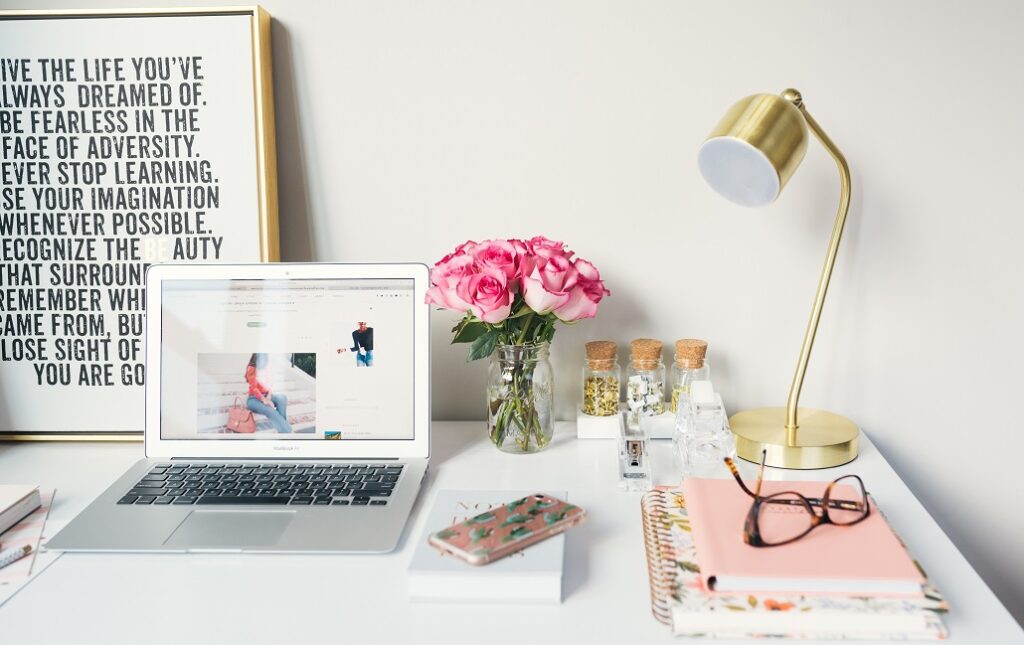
(753, 151)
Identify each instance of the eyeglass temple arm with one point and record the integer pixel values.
(739, 480)
(760, 473)
(813, 501)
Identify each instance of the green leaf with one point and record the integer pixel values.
(445, 534)
(484, 345)
(689, 566)
(539, 506)
(486, 516)
(469, 330)
(518, 532)
(480, 533)
(518, 518)
(511, 506)
(551, 518)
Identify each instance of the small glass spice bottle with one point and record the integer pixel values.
(601, 374)
(645, 381)
(689, 366)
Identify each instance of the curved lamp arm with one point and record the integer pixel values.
(826, 272)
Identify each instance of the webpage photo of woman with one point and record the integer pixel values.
(273, 406)
(276, 390)
(362, 345)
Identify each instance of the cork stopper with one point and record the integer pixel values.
(690, 353)
(645, 351)
(601, 354)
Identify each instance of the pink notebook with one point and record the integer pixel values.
(864, 559)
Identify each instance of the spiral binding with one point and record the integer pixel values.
(661, 561)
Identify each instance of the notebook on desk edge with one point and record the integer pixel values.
(680, 599)
(866, 558)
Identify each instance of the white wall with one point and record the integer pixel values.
(405, 127)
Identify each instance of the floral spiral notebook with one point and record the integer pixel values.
(680, 599)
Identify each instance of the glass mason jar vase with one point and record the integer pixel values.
(520, 398)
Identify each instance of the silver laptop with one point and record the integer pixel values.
(287, 410)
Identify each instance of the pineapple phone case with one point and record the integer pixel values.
(508, 528)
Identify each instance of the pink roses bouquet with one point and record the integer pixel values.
(514, 291)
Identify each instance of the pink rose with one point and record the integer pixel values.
(520, 247)
(446, 277)
(462, 249)
(541, 244)
(548, 277)
(498, 256)
(585, 295)
(488, 296)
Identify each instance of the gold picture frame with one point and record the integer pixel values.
(265, 154)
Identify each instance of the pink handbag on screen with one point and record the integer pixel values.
(240, 419)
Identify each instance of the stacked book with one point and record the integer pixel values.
(531, 576)
(16, 503)
(856, 582)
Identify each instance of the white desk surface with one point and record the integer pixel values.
(129, 598)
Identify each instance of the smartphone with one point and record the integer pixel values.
(508, 528)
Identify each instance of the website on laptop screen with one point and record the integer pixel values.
(287, 359)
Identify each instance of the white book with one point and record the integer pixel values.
(16, 503)
(533, 575)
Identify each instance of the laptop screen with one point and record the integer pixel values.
(288, 359)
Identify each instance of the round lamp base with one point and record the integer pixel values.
(823, 439)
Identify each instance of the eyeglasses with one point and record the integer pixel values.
(785, 517)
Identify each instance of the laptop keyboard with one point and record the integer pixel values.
(266, 484)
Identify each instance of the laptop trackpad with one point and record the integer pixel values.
(230, 529)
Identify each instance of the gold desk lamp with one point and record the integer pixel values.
(748, 158)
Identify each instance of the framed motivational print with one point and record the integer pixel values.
(127, 138)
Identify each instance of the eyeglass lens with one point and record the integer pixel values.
(783, 517)
(846, 507)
